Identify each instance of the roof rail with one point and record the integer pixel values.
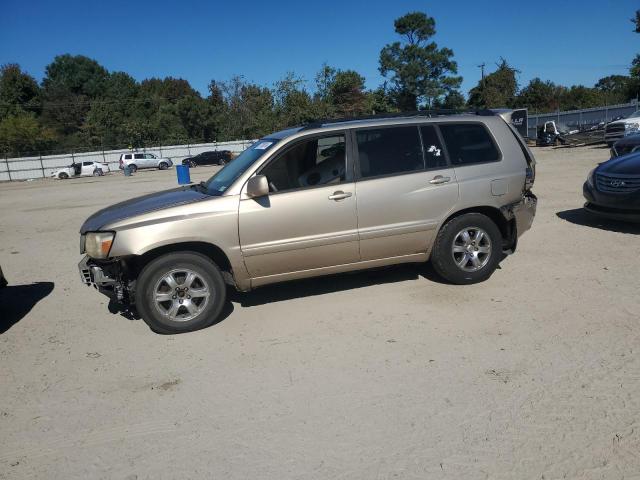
(419, 113)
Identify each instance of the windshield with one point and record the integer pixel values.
(224, 178)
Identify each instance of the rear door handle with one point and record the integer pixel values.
(339, 195)
(438, 179)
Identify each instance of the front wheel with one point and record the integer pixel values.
(163, 165)
(63, 176)
(180, 292)
(467, 249)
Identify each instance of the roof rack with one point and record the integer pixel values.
(420, 113)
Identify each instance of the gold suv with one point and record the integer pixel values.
(316, 200)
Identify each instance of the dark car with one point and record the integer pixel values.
(216, 157)
(612, 188)
(626, 145)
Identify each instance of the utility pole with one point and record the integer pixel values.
(484, 100)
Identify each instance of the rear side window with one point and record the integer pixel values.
(433, 154)
(389, 151)
(138, 155)
(469, 143)
(127, 156)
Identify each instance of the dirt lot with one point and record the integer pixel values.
(387, 374)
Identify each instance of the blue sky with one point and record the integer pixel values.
(567, 41)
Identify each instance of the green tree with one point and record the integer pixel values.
(380, 100)
(497, 90)
(614, 88)
(454, 100)
(420, 72)
(293, 105)
(21, 134)
(70, 84)
(347, 94)
(578, 96)
(540, 96)
(19, 92)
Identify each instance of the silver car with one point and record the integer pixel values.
(317, 200)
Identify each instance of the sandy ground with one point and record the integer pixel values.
(388, 374)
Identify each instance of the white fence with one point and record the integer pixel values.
(26, 168)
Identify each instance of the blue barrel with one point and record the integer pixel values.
(183, 174)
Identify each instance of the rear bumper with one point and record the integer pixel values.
(520, 217)
(523, 212)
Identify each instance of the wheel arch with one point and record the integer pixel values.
(209, 250)
(506, 226)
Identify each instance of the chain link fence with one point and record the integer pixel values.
(42, 166)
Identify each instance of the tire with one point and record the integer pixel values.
(133, 168)
(189, 312)
(193, 164)
(63, 176)
(98, 172)
(163, 165)
(453, 254)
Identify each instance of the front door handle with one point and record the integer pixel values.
(438, 179)
(339, 195)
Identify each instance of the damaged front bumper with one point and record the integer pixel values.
(108, 277)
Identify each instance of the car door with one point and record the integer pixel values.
(308, 221)
(404, 188)
(151, 160)
(139, 160)
(87, 168)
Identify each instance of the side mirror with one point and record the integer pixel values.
(257, 186)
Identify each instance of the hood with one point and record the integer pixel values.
(625, 165)
(140, 205)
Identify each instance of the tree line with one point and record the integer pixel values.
(79, 104)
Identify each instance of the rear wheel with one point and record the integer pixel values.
(163, 165)
(133, 168)
(467, 249)
(180, 292)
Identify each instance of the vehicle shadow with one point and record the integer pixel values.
(16, 301)
(333, 283)
(579, 216)
(130, 313)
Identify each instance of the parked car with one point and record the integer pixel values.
(626, 145)
(612, 189)
(453, 189)
(214, 157)
(136, 161)
(618, 129)
(83, 169)
(3, 280)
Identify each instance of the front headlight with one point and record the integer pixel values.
(98, 244)
(630, 128)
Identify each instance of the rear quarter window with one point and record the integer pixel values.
(469, 143)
